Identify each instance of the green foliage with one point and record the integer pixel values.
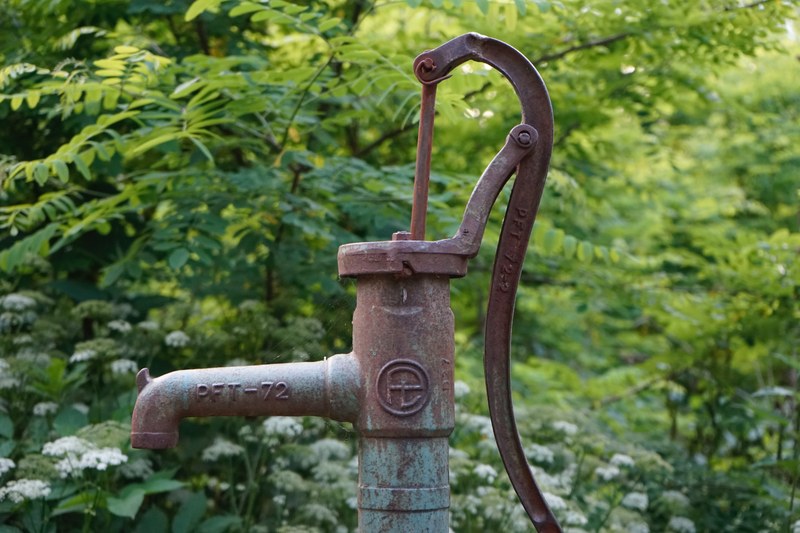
(176, 178)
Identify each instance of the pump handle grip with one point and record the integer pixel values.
(517, 226)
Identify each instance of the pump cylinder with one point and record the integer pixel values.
(403, 341)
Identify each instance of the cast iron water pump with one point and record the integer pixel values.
(396, 386)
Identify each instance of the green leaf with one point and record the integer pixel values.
(112, 273)
(522, 6)
(202, 147)
(198, 6)
(602, 253)
(156, 484)
(483, 5)
(265, 15)
(510, 14)
(68, 421)
(585, 252)
(243, 8)
(540, 229)
(219, 524)
(153, 521)
(110, 64)
(14, 256)
(128, 505)
(82, 167)
(41, 173)
(6, 426)
(161, 139)
(570, 244)
(186, 88)
(327, 24)
(76, 503)
(16, 102)
(552, 240)
(178, 258)
(33, 98)
(190, 513)
(61, 170)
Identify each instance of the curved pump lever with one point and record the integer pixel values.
(528, 152)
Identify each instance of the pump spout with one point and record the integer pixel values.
(328, 388)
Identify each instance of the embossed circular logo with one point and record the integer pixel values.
(403, 387)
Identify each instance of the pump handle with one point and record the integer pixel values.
(537, 126)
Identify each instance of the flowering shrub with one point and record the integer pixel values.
(67, 403)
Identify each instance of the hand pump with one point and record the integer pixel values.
(396, 386)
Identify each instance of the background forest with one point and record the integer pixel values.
(177, 177)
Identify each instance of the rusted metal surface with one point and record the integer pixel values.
(326, 388)
(396, 385)
(422, 174)
(527, 151)
(403, 339)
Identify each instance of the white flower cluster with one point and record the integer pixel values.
(17, 302)
(214, 483)
(796, 527)
(6, 465)
(124, 366)
(121, 326)
(481, 423)
(45, 408)
(286, 426)
(638, 527)
(606, 473)
(567, 428)
(556, 503)
(147, 325)
(486, 473)
(82, 355)
(25, 489)
(327, 449)
(22, 339)
(78, 455)
(177, 339)
(99, 459)
(221, 448)
(539, 453)
(622, 460)
(681, 524)
(7, 379)
(636, 500)
(460, 389)
(574, 518)
(675, 499)
(34, 357)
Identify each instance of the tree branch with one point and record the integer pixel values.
(583, 46)
(383, 138)
(202, 36)
(558, 55)
(749, 6)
